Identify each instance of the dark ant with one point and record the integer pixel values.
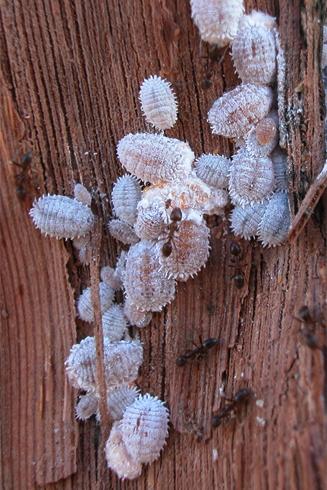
(236, 251)
(175, 218)
(308, 328)
(22, 177)
(241, 396)
(198, 352)
(214, 56)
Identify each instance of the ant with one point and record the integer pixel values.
(175, 218)
(198, 352)
(214, 55)
(22, 177)
(236, 251)
(308, 329)
(241, 396)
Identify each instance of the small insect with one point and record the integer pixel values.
(199, 351)
(175, 217)
(236, 252)
(22, 177)
(241, 396)
(308, 329)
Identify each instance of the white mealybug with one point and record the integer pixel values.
(123, 232)
(118, 459)
(146, 285)
(81, 194)
(114, 323)
(217, 20)
(251, 178)
(151, 219)
(84, 303)
(87, 406)
(125, 196)
(189, 251)
(237, 111)
(84, 248)
(155, 158)
(158, 102)
(245, 220)
(110, 276)
(254, 49)
(144, 428)
(213, 170)
(119, 398)
(275, 222)
(62, 217)
(135, 316)
(121, 360)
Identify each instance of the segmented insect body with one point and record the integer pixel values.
(82, 194)
(135, 316)
(114, 323)
(151, 219)
(279, 160)
(190, 249)
(121, 359)
(217, 20)
(84, 303)
(262, 139)
(158, 102)
(87, 406)
(254, 49)
(123, 232)
(62, 217)
(275, 223)
(118, 459)
(213, 170)
(146, 285)
(83, 245)
(155, 158)
(233, 114)
(125, 196)
(110, 277)
(245, 220)
(144, 428)
(119, 398)
(251, 178)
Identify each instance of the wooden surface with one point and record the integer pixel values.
(70, 74)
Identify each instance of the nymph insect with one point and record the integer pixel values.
(175, 218)
(242, 396)
(199, 351)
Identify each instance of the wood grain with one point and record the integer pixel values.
(70, 73)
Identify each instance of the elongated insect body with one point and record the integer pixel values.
(62, 217)
(217, 20)
(158, 102)
(245, 220)
(114, 323)
(275, 222)
(146, 285)
(125, 196)
(123, 232)
(237, 111)
(144, 428)
(151, 220)
(119, 398)
(190, 249)
(155, 158)
(82, 194)
(279, 160)
(254, 49)
(84, 303)
(251, 178)
(118, 459)
(87, 406)
(213, 170)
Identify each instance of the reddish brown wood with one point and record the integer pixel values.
(70, 73)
